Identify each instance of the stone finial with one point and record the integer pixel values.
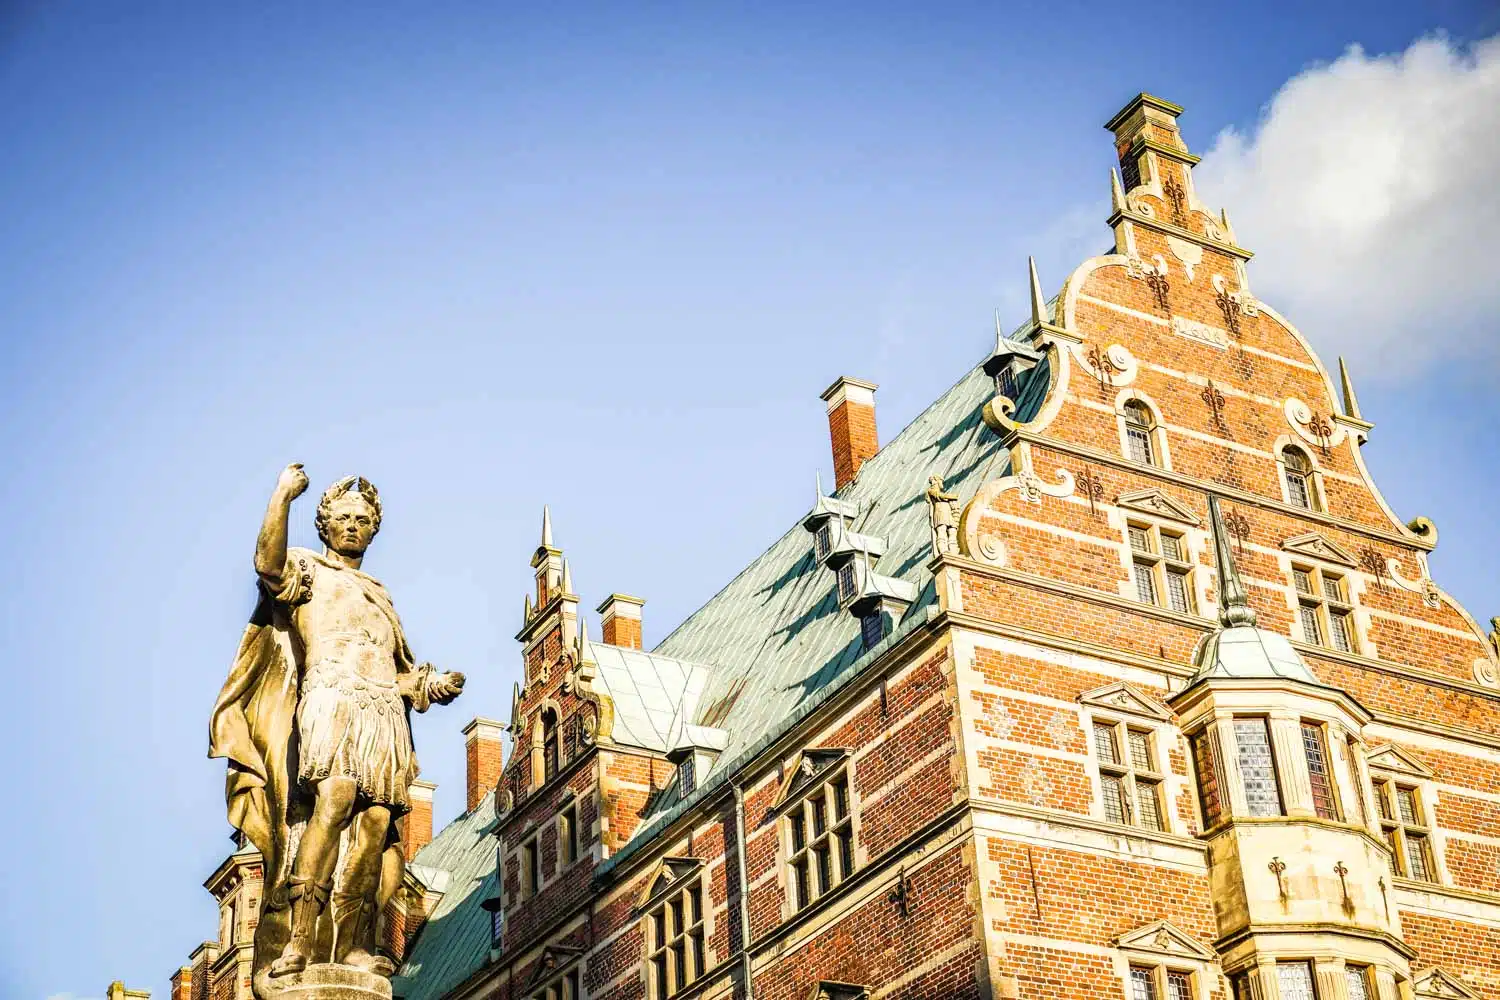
(1234, 606)
(1038, 303)
(567, 578)
(1116, 191)
(546, 527)
(1346, 384)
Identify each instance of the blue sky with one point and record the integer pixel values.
(606, 260)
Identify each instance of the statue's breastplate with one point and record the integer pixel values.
(345, 632)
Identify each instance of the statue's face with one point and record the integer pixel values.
(351, 526)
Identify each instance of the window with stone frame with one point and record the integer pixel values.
(1320, 770)
(1324, 614)
(823, 540)
(549, 745)
(1403, 823)
(1157, 982)
(819, 840)
(1295, 981)
(675, 949)
(1257, 761)
(563, 987)
(1359, 982)
(531, 867)
(687, 776)
(1239, 986)
(1205, 763)
(1130, 777)
(1161, 568)
(1140, 431)
(567, 835)
(1297, 471)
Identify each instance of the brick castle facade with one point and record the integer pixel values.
(1100, 738)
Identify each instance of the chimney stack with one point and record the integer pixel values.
(851, 426)
(486, 757)
(621, 618)
(182, 983)
(416, 825)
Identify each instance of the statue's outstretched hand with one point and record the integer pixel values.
(292, 482)
(447, 686)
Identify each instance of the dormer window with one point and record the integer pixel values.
(823, 540)
(848, 583)
(872, 629)
(1005, 383)
(687, 776)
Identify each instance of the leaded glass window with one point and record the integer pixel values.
(1257, 767)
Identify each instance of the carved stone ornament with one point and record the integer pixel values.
(1154, 501)
(1114, 366)
(1316, 545)
(1241, 299)
(1164, 938)
(1431, 597)
(1026, 482)
(1314, 428)
(1188, 253)
(1436, 982)
(942, 516)
(1201, 332)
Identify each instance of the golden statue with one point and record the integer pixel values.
(314, 722)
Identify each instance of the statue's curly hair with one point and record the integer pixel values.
(349, 484)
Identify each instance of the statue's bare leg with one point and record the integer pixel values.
(355, 909)
(312, 872)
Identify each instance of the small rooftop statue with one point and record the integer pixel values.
(942, 511)
(313, 722)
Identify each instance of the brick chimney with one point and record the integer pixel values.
(486, 755)
(851, 426)
(416, 825)
(182, 983)
(621, 618)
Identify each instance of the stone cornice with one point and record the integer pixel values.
(1065, 643)
(1239, 496)
(1169, 229)
(1396, 669)
(1076, 821)
(1228, 941)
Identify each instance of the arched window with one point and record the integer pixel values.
(1297, 468)
(549, 744)
(1139, 423)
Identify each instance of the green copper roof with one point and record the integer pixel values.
(756, 658)
(455, 941)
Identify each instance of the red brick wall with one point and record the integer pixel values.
(851, 428)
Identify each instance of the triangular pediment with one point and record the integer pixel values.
(1122, 697)
(1165, 938)
(1154, 501)
(1434, 982)
(1314, 544)
(828, 989)
(668, 872)
(1388, 757)
(554, 958)
(808, 768)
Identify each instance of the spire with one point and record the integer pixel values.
(999, 334)
(1116, 191)
(526, 614)
(1234, 606)
(546, 527)
(1038, 304)
(583, 637)
(567, 578)
(818, 474)
(1351, 401)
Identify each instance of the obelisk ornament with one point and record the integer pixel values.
(314, 723)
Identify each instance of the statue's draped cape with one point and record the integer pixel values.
(254, 726)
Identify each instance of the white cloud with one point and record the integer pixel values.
(1370, 193)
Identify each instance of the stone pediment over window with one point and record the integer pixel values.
(667, 873)
(1123, 698)
(1387, 757)
(1165, 939)
(1315, 545)
(808, 770)
(1156, 502)
(827, 989)
(555, 958)
(1434, 982)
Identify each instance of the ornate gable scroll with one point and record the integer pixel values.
(555, 957)
(1314, 544)
(808, 768)
(1387, 757)
(1154, 501)
(1434, 982)
(1167, 939)
(1121, 697)
(668, 872)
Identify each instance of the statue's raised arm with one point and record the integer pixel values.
(270, 547)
